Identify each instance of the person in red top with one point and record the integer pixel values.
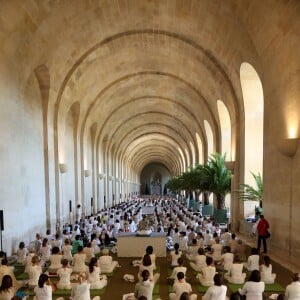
(262, 232)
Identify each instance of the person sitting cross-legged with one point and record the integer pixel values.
(96, 280)
(180, 287)
(144, 287)
(235, 273)
(208, 273)
(199, 261)
(106, 263)
(64, 274)
(217, 291)
(266, 271)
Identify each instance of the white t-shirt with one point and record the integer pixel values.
(81, 291)
(215, 293)
(44, 293)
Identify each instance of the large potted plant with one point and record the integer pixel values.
(218, 178)
(250, 193)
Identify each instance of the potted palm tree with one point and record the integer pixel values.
(250, 193)
(218, 178)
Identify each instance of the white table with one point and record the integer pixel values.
(130, 245)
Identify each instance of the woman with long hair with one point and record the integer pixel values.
(44, 289)
(95, 279)
(7, 291)
(254, 287)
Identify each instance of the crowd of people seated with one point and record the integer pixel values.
(82, 252)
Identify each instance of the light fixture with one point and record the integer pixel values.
(288, 146)
(87, 173)
(63, 168)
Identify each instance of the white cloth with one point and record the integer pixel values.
(81, 291)
(227, 259)
(79, 263)
(174, 258)
(64, 278)
(235, 274)
(34, 273)
(144, 288)
(179, 288)
(252, 263)
(44, 293)
(207, 276)
(217, 251)
(266, 274)
(292, 291)
(106, 264)
(55, 262)
(199, 263)
(67, 252)
(96, 280)
(253, 290)
(215, 293)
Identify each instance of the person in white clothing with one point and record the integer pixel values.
(227, 259)
(34, 271)
(217, 291)
(216, 250)
(145, 287)
(235, 273)
(44, 289)
(253, 288)
(179, 268)
(79, 261)
(192, 250)
(174, 255)
(292, 291)
(21, 253)
(266, 271)
(199, 261)
(208, 273)
(253, 261)
(147, 265)
(55, 260)
(45, 252)
(81, 291)
(106, 264)
(96, 280)
(67, 250)
(64, 275)
(180, 287)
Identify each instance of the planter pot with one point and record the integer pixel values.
(220, 215)
(207, 210)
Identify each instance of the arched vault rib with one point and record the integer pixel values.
(154, 144)
(167, 138)
(194, 120)
(146, 159)
(215, 126)
(123, 150)
(162, 150)
(182, 125)
(149, 127)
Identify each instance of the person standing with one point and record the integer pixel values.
(262, 232)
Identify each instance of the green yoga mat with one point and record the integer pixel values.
(274, 287)
(22, 276)
(201, 289)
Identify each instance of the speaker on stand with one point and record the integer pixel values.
(1, 226)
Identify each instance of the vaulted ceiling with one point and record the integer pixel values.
(144, 74)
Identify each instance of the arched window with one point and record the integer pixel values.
(183, 159)
(254, 109)
(225, 129)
